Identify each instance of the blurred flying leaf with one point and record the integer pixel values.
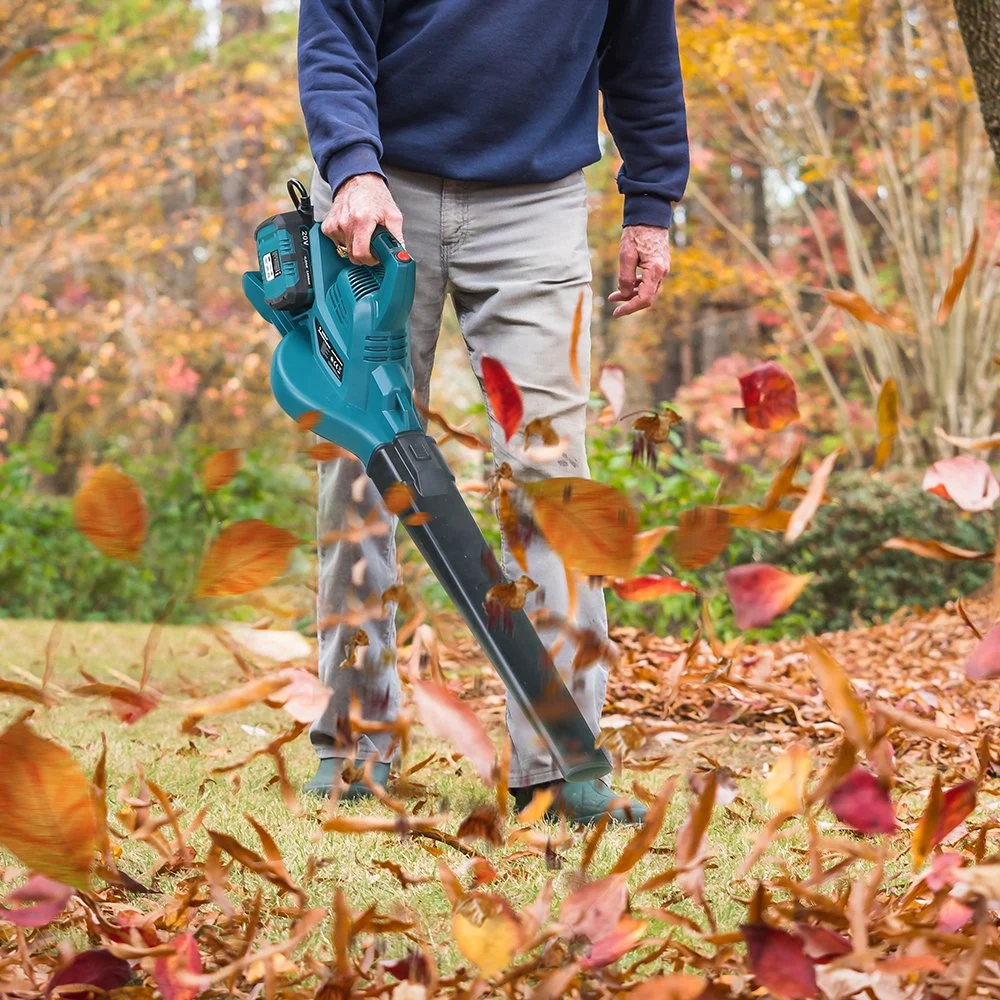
(984, 661)
(304, 697)
(861, 309)
(36, 903)
(769, 397)
(779, 963)
(958, 279)
(611, 382)
(785, 787)
(574, 341)
(888, 422)
(650, 588)
(48, 817)
(803, 514)
(486, 931)
(220, 469)
(110, 511)
(862, 802)
(839, 694)
(245, 556)
(702, 535)
(449, 719)
(168, 970)
(928, 548)
(97, 968)
(503, 395)
(966, 481)
(760, 592)
(589, 525)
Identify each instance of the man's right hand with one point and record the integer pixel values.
(360, 204)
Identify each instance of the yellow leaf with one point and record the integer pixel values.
(923, 836)
(785, 787)
(486, 931)
(109, 510)
(245, 556)
(537, 807)
(48, 816)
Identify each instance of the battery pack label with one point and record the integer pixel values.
(328, 353)
(304, 233)
(272, 265)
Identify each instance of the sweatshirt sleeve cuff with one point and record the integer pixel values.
(647, 210)
(360, 158)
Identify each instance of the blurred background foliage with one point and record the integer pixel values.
(836, 144)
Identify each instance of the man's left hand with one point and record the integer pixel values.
(643, 260)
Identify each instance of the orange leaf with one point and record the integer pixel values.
(504, 397)
(308, 420)
(10, 64)
(220, 469)
(930, 549)
(956, 804)
(650, 588)
(589, 525)
(168, 969)
(397, 498)
(646, 543)
(760, 592)
(839, 694)
(245, 556)
(783, 481)
(236, 699)
(888, 422)
(975, 444)
(448, 719)
(574, 341)
(510, 525)
(327, 451)
(702, 534)
(861, 309)
(679, 986)
(958, 279)
(809, 504)
(769, 397)
(48, 816)
(758, 519)
(923, 835)
(109, 510)
(537, 807)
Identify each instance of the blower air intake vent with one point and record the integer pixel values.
(382, 347)
(365, 280)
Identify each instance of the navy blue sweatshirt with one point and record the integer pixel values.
(503, 91)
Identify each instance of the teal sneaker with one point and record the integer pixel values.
(328, 774)
(583, 803)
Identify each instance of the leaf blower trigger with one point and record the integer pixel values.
(344, 354)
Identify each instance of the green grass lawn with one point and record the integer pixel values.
(189, 663)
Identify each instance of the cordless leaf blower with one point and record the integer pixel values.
(344, 353)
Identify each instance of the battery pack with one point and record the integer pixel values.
(283, 253)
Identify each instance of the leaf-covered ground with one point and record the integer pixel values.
(298, 911)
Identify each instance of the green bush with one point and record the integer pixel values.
(49, 570)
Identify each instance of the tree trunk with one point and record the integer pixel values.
(980, 24)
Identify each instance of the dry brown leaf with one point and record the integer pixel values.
(574, 341)
(839, 694)
(702, 535)
(449, 719)
(644, 838)
(928, 548)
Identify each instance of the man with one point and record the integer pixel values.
(463, 125)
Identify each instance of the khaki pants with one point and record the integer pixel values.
(515, 261)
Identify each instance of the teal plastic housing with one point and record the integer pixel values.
(347, 355)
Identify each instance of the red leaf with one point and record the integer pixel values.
(984, 662)
(649, 588)
(862, 802)
(779, 962)
(40, 900)
(626, 936)
(504, 397)
(822, 945)
(92, 968)
(760, 592)
(957, 803)
(769, 397)
(184, 959)
(594, 910)
(447, 718)
(966, 480)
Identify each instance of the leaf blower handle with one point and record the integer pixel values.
(399, 282)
